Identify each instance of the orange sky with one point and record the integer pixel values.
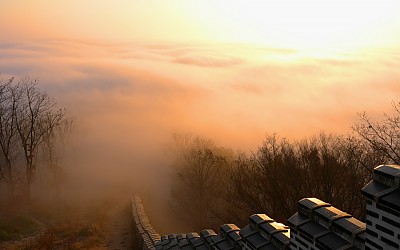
(309, 24)
(133, 71)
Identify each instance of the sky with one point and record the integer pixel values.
(133, 72)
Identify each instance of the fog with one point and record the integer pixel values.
(128, 98)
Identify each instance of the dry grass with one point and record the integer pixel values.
(66, 227)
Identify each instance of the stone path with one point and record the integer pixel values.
(119, 230)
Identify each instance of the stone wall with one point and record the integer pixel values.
(383, 209)
(316, 225)
(145, 233)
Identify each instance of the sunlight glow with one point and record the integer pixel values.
(307, 24)
(303, 25)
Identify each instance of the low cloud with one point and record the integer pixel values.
(128, 99)
(124, 114)
(208, 61)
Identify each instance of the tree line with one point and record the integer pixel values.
(32, 132)
(214, 185)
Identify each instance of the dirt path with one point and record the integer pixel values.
(119, 234)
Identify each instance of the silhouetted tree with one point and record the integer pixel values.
(29, 120)
(280, 173)
(52, 152)
(383, 136)
(199, 182)
(8, 133)
(36, 116)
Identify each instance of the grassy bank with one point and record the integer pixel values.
(45, 225)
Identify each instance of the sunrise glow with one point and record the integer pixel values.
(227, 68)
(212, 110)
(307, 24)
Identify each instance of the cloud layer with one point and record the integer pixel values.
(129, 98)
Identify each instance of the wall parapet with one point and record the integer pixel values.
(316, 225)
(147, 236)
(383, 208)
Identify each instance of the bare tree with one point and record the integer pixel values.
(36, 116)
(52, 152)
(8, 133)
(199, 182)
(382, 136)
(246, 193)
(280, 173)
